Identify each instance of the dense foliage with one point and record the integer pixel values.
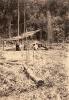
(33, 15)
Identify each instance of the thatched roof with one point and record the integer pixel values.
(25, 35)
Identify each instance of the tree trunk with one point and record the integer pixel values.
(49, 27)
(9, 28)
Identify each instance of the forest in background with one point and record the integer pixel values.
(51, 16)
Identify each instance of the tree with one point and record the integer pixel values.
(38, 13)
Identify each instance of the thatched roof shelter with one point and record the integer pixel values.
(25, 35)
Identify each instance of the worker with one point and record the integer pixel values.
(35, 46)
(17, 46)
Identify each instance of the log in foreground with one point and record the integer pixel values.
(30, 74)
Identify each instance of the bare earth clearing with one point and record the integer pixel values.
(51, 66)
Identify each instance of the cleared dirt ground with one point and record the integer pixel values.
(51, 66)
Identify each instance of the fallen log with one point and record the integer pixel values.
(31, 75)
(10, 63)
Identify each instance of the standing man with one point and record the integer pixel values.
(18, 46)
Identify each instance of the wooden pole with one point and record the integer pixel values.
(9, 28)
(49, 26)
(18, 17)
(49, 22)
(24, 22)
(24, 18)
(3, 45)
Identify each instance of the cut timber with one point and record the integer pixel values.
(30, 74)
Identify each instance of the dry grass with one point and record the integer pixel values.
(49, 65)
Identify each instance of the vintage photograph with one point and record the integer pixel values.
(34, 49)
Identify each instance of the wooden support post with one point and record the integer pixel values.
(9, 28)
(3, 45)
(18, 17)
(24, 18)
(49, 27)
